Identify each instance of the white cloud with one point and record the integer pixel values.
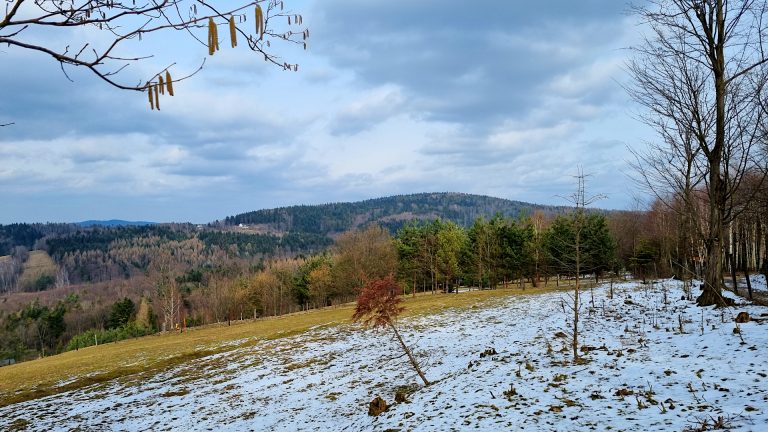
(367, 110)
(501, 100)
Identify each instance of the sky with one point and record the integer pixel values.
(506, 99)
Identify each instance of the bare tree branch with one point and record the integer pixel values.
(126, 20)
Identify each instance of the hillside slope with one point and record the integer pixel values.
(39, 272)
(650, 367)
(390, 212)
(99, 251)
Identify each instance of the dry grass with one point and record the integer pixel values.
(151, 354)
(39, 263)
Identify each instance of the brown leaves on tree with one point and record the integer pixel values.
(378, 304)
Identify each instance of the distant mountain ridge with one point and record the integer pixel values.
(390, 212)
(113, 223)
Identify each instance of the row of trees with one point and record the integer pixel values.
(667, 239)
(427, 256)
(442, 255)
(423, 256)
(181, 289)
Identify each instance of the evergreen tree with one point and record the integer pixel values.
(123, 312)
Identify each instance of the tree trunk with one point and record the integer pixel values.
(712, 292)
(713, 275)
(408, 352)
(758, 237)
(746, 262)
(733, 273)
(575, 342)
(611, 288)
(764, 264)
(713, 270)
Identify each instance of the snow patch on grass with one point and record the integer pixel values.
(653, 361)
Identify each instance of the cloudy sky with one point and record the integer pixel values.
(497, 98)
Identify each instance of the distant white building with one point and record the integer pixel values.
(243, 226)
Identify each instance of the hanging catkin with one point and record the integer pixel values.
(232, 31)
(157, 98)
(211, 36)
(161, 84)
(216, 37)
(259, 15)
(169, 82)
(151, 99)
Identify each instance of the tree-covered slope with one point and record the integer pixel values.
(390, 212)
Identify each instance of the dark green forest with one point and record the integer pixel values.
(389, 212)
(97, 253)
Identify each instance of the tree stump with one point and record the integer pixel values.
(742, 317)
(377, 406)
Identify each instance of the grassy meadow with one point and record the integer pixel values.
(38, 264)
(131, 359)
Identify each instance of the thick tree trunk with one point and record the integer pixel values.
(712, 292)
(713, 270)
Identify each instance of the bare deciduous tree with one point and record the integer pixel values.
(167, 290)
(363, 255)
(701, 75)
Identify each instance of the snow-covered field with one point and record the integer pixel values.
(644, 374)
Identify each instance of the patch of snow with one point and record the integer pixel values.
(643, 373)
(758, 282)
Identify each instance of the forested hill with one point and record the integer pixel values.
(108, 251)
(390, 212)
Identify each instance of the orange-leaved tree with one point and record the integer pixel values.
(378, 305)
